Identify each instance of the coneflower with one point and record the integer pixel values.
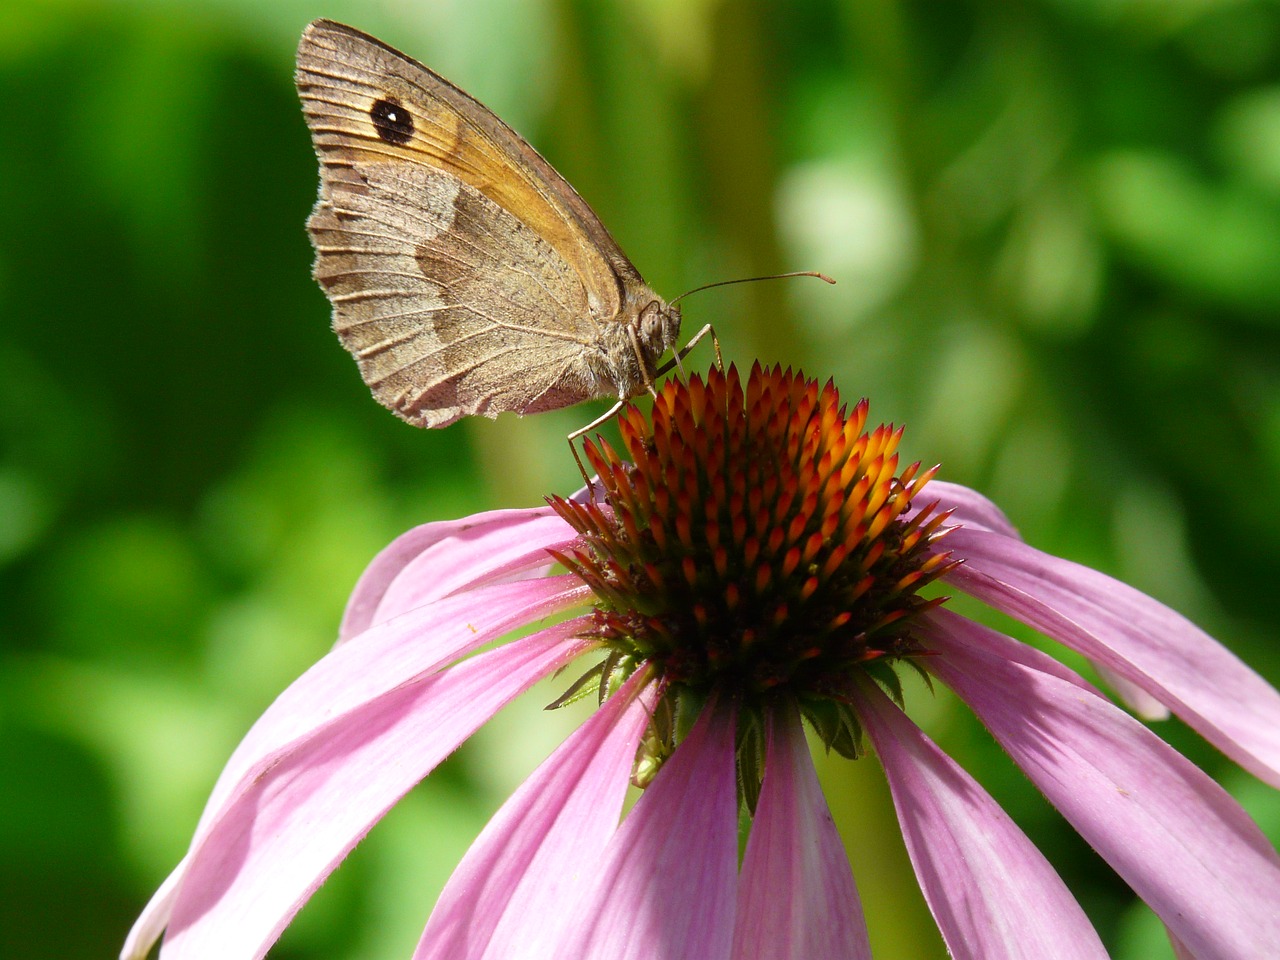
(753, 562)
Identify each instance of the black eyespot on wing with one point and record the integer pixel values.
(392, 121)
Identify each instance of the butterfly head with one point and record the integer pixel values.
(658, 330)
(626, 359)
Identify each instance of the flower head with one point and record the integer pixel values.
(758, 545)
(755, 561)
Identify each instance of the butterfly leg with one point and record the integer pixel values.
(591, 487)
(609, 415)
(715, 343)
(674, 362)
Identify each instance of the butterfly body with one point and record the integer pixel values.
(466, 275)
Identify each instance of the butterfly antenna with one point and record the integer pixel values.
(772, 276)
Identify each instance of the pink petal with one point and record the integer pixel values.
(665, 886)
(1134, 636)
(1176, 837)
(528, 863)
(991, 891)
(968, 507)
(1141, 703)
(971, 509)
(1180, 952)
(284, 832)
(387, 656)
(354, 674)
(150, 925)
(436, 559)
(796, 896)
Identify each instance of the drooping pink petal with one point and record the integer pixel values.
(1180, 952)
(666, 884)
(971, 509)
(796, 895)
(1143, 704)
(1133, 635)
(1176, 837)
(150, 924)
(285, 832)
(514, 882)
(991, 891)
(436, 559)
(968, 507)
(384, 657)
(344, 681)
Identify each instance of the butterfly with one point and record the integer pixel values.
(466, 275)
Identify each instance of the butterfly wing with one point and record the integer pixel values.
(466, 275)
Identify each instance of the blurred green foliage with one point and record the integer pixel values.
(1056, 226)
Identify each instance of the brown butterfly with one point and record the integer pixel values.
(466, 275)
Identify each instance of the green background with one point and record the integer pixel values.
(1056, 227)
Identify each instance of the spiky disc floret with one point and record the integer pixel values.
(753, 543)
